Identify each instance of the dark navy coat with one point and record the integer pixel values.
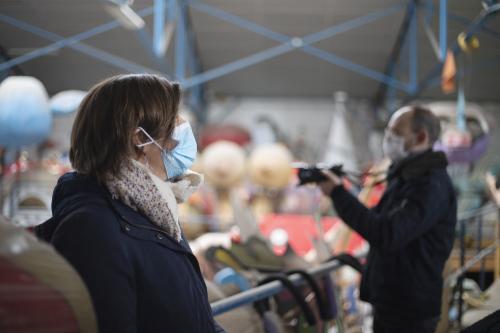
(140, 279)
(411, 233)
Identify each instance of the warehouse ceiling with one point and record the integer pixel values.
(292, 74)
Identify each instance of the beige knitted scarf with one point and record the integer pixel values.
(144, 192)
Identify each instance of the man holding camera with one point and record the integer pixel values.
(410, 231)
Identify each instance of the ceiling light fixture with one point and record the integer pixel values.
(121, 11)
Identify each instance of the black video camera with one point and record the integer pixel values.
(313, 174)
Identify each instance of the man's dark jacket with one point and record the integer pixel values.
(140, 279)
(410, 233)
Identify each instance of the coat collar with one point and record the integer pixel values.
(417, 165)
(138, 226)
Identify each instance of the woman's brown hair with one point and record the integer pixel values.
(103, 131)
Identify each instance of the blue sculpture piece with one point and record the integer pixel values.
(26, 113)
(66, 101)
(25, 117)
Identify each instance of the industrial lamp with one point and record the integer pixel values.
(121, 11)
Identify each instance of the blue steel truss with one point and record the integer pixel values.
(189, 71)
(432, 78)
(75, 43)
(289, 44)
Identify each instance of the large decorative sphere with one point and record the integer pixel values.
(25, 117)
(223, 164)
(270, 166)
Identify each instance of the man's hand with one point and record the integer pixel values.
(328, 185)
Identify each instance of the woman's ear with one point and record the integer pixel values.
(136, 138)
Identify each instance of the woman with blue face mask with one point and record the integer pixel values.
(179, 154)
(115, 217)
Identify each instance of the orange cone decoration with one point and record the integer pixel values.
(449, 74)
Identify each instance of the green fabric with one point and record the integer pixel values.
(256, 254)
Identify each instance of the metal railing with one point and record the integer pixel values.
(458, 276)
(269, 289)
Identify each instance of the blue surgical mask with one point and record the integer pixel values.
(181, 158)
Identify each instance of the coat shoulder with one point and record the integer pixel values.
(92, 220)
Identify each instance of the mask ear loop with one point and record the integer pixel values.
(163, 150)
(147, 143)
(149, 137)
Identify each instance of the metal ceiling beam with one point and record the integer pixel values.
(426, 23)
(75, 43)
(185, 48)
(413, 48)
(135, 23)
(163, 25)
(466, 22)
(472, 68)
(145, 39)
(187, 60)
(159, 25)
(180, 42)
(197, 101)
(433, 77)
(390, 68)
(443, 29)
(289, 44)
